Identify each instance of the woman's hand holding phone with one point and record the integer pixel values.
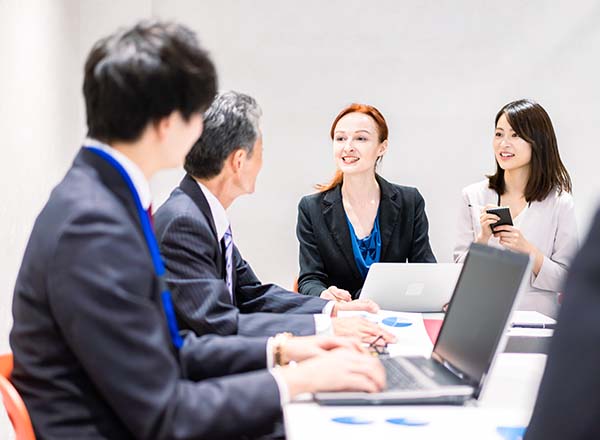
(502, 228)
(486, 220)
(513, 239)
(509, 236)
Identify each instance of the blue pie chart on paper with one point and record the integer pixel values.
(352, 420)
(403, 421)
(511, 432)
(392, 321)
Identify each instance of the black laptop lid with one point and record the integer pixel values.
(479, 309)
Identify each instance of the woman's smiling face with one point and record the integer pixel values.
(511, 151)
(356, 145)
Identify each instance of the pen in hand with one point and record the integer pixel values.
(476, 206)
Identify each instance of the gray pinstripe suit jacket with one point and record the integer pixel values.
(193, 257)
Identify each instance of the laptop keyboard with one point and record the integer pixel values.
(398, 378)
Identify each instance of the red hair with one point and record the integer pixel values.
(382, 129)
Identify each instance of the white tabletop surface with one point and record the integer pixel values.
(506, 404)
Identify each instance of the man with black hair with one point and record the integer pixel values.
(97, 351)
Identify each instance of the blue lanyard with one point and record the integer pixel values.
(159, 268)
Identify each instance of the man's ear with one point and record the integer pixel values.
(161, 126)
(236, 159)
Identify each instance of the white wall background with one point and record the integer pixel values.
(438, 71)
(39, 124)
(39, 121)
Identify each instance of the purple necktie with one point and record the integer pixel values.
(228, 242)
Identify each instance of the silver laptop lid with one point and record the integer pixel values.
(411, 287)
(479, 311)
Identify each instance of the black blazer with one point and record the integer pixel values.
(568, 402)
(195, 272)
(326, 256)
(93, 357)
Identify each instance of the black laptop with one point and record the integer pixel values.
(472, 334)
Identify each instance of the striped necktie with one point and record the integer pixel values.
(228, 242)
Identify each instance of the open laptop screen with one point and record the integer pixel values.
(480, 307)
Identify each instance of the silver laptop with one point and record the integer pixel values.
(411, 287)
(473, 332)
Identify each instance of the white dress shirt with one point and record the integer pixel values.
(549, 225)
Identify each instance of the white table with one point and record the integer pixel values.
(507, 401)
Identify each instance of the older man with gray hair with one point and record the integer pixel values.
(214, 288)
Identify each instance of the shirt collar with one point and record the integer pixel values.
(135, 173)
(217, 210)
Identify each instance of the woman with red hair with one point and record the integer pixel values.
(358, 218)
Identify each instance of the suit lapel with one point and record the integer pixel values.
(111, 178)
(335, 219)
(190, 187)
(389, 210)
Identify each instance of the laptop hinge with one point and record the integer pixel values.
(448, 366)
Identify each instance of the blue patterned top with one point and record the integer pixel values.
(366, 250)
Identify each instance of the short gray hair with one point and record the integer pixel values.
(231, 123)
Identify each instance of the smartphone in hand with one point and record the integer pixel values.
(504, 213)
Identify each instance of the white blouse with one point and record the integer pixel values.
(549, 225)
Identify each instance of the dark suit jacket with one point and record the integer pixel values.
(93, 356)
(195, 272)
(568, 403)
(326, 257)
